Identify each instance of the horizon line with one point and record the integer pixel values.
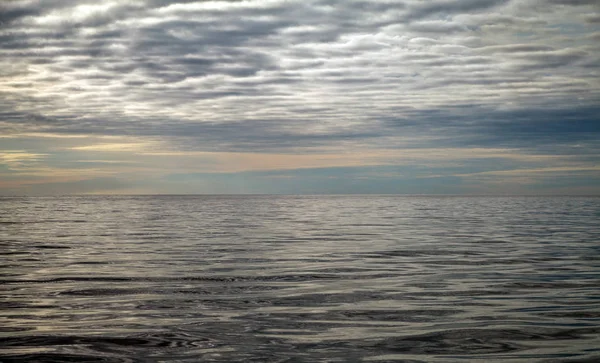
(289, 194)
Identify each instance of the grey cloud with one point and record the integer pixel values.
(573, 2)
(593, 19)
(161, 3)
(419, 10)
(16, 11)
(434, 26)
(11, 14)
(543, 60)
(549, 131)
(291, 74)
(517, 48)
(499, 18)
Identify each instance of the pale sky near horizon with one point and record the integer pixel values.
(300, 96)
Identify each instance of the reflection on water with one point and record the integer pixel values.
(299, 279)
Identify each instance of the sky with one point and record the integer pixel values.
(300, 97)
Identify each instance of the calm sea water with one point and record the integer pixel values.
(300, 279)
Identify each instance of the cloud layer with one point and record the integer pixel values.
(117, 81)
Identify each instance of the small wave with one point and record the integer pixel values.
(62, 358)
(147, 340)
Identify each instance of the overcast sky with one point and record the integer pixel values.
(300, 96)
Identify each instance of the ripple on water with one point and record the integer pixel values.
(299, 279)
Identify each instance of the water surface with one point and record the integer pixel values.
(299, 279)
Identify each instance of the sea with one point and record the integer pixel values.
(327, 278)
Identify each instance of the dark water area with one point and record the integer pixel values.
(299, 279)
